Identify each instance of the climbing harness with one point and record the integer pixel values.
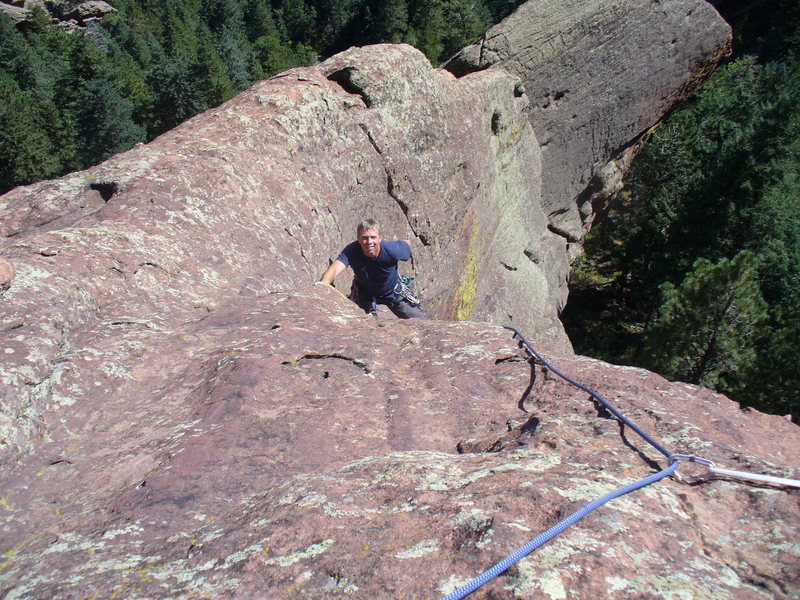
(674, 462)
(403, 289)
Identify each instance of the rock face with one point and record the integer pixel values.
(67, 13)
(182, 414)
(258, 195)
(286, 446)
(599, 74)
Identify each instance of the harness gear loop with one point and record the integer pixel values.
(404, 291)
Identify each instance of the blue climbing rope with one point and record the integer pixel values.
(564, 524)
(548, 535)
(594, 394)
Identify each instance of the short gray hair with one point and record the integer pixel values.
(367, 224)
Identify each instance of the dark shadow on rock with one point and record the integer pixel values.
(647, 460)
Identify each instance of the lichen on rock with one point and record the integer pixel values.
(183, 414)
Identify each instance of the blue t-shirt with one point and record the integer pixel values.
(376, 276)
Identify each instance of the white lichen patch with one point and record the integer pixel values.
(408, 506)
(451, 584)
(638, 559)
(339, 320)
(310, 552)
(336, 511)
(115, 565)
(450, 477)
(540, 463)
(243, 554)
(301, 497)
(561, 551)
(390, 473)
(680, 586)
(518, 525)
(421, 549)
(582, 490)
(616, 584)
(311, 500)
(667, 499)
(116, 371)
(552, 585)
(28, 277)
(131, 529)
(684, 441)
(212, 535)
(475, 520)
(778, 543)
(530, 578)
(470, 352)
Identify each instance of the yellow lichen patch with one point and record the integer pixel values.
(468, 287)
(16, 549)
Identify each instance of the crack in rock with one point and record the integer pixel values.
(357, 363)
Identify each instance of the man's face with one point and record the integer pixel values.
(370, 242)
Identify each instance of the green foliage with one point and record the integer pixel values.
(17, 59)
(177, 91)
(80, 97)
(276, 56)
(427, 28)
(389, 21)
(710, 219)
(27, 149)
(103, 120)
(707, 327)
(467, 20)
(214, 85)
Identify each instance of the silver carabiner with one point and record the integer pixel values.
(695, 459)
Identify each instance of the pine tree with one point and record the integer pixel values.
(236, 53)
(103, 122)
(16, 57)
(707, 329)
(299, 20)
(177, 91)
(27, 152)
(180, 27)
(427, 29)
(259, 20)
(389, 21)
(466, 21)
(210, 72)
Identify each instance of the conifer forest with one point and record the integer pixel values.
(692, 272)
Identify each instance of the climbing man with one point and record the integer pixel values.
(375, 276)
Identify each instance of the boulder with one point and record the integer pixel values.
(94, 9)
(67, 13)
(17, 14)
(598, 74)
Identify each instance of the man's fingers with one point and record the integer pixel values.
(329, 286)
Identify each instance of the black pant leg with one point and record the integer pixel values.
(404, 310)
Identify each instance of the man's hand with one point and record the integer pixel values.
(332, 272)
(330, 287)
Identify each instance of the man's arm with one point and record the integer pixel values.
(332, 272)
